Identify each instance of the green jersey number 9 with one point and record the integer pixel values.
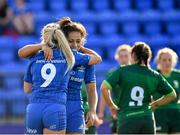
(137, 95)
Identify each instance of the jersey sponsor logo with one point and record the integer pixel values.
(31, 131)
(176, 84)
(76, 79)
(50, 61)
(52, 127)
(158, 128)
(81, 68)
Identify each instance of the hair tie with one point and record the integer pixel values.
(54, 31)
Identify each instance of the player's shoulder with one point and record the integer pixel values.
(155, 72)
(78, 53)
(89, 67)
(113, 69)
(120, 68)
(127, 67)
(57, 52)
(75, 52)
(176, 71)
(38, 55)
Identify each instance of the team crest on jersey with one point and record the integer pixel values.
(158, 128)
(72, 72)
(81, 68)
(176, 84)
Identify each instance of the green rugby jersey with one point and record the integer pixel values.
(174, 80)
(116, 88)
(136, 85)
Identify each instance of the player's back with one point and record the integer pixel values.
(137, 83)
(49, 81)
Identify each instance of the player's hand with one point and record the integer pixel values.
(98, 121)
(101, 115)
(154, 105)
(48, 52)
(90, 118)
(81, 48)
(114, 111)
(178, 101)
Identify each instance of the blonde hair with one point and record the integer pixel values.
(167, 51)
(123, 47)
(52, 36)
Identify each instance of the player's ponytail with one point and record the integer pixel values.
(64, 46)
(54, 37)
(65, 21)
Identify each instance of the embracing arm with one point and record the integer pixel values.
(32, 49)
(29, 50)
(95, 57)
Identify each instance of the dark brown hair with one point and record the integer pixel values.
(68, 26)
(142, 53)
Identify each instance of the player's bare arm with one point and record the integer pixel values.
(27, 87)
(92, 100)
(32, 49)
(95, 57)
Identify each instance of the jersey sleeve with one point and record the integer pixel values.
(80, 58)
(28, 74)
(113, 79)
(110, 72)
(164, 88)
(90, 76)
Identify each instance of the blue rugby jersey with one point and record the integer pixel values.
(48, 79)
(77, 75)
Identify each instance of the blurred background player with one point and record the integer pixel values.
(6, 19)
(23, 18)
(123, 57)
(168, 116)
(47, 81)
(137, 82)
